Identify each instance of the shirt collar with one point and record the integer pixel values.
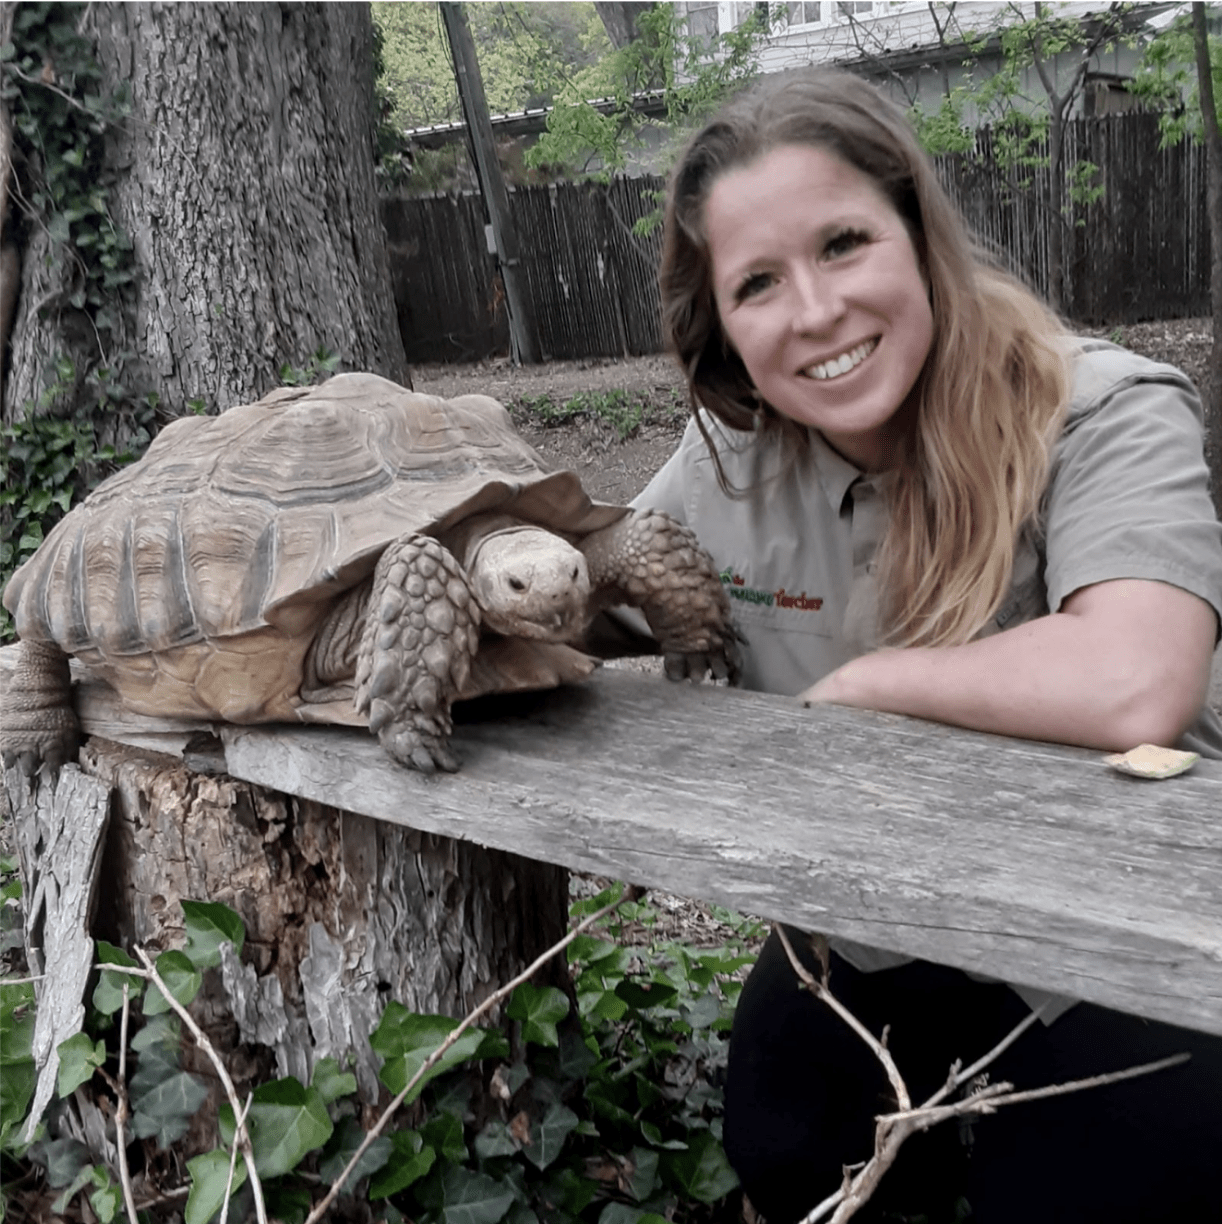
(836, 473)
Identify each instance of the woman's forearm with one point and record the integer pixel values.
(1124, 663)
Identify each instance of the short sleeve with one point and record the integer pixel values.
(1128, 495)
(671, 487)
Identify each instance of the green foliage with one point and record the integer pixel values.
(286, 1120)
(695, 74)
(620, 409)
(320, 365)
(51, 85)
(527, 54)
(108, 993)
(208, 926)
(606, 1113)
(17, 1072)
(79, 1058)
(1166, 80)
(209, 1184)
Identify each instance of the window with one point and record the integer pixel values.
(854, 8)
(702, 22)
(804, 12)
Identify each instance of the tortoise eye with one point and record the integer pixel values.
(517, 584)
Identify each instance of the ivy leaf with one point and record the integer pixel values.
(653, 1135)
(108, 993)
(331, 1082)
(286, 1120)
(209, 925)
(444, 1134)
(702, 1172)
(644, 1177)
(209, 1177)
(539, 1008)
(181, 979)
(405, 1039)
(605, 1004)
(342, 1146)
(473, 1198)
(17, 1074)
(107, 1198)
(548, 1136)
(79, 1057)
(409, 1161)
(164, 1112)
(643, 994)
(495, 1140)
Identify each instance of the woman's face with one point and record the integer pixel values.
(821, 293)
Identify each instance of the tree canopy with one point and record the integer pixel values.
(529, 54)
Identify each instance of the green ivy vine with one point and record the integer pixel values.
(603, 1112)
(51, 455)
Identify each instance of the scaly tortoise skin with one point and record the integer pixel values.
(350, 553)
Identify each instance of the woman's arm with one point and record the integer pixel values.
(1122, 663)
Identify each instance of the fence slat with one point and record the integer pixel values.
(1140, 252)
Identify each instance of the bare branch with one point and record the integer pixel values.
(233, 1156)
(201, 1039)
(821, 992)
(121, 1111)
(892, 1129)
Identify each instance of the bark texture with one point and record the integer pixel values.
(342, 912)
(244, 176)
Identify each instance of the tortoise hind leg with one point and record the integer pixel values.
(653, 562)
(39, 722)
(421, 634)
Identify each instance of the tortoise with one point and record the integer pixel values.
(351, 553)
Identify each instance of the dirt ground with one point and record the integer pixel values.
(617, 470)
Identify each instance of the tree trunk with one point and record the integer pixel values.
(1213, 146)
(244, 178)
(620, 20)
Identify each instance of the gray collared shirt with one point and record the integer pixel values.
(1127, 497)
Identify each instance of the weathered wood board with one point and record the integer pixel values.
(1030, 862)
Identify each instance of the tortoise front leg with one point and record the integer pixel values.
(421, 633)
(39, 722)
(651, 561)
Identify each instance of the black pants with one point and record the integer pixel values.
(802, 1091)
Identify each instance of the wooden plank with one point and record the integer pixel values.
(1026, 861)
(1030, 862)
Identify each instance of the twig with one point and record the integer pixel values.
(631, 893)
(129, 1198)
(55, 89)
(892, 1129)
(821, 992)
(233, 1156)
(958, 1078)
(241, 1136)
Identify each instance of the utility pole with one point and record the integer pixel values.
(522, 331)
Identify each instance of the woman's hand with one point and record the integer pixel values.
(1122, 663)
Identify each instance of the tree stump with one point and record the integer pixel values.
(342, 912)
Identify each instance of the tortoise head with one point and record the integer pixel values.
(530, 583)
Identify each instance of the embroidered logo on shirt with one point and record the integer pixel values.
(736, 588)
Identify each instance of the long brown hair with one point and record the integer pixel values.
(989, 400)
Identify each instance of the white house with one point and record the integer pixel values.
(921, 50)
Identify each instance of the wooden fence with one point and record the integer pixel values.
(1140, 252)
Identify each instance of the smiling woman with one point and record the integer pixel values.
(992, 523)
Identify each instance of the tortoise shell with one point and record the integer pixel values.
(194, 580)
